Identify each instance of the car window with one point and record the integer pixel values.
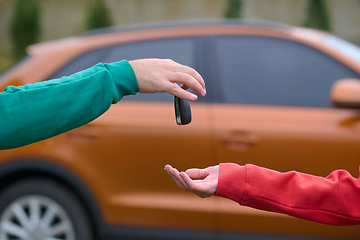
(181, 50)
(80, 63)
(271, 71)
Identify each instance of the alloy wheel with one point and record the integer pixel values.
(35, 217)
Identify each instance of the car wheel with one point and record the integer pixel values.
(39, 209)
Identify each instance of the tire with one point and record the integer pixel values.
(38, 209)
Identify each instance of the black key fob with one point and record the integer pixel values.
(182, 111)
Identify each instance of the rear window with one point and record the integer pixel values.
(272, 71)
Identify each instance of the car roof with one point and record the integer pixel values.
(147, 31)
(178, 26)
(188, 23)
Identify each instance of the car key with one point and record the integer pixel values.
(182, 111)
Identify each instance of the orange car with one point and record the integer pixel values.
(267, 103)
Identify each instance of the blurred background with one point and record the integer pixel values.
(23, 22)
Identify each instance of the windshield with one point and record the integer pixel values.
(347, 48)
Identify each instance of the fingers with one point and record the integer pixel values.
(187, 181)
(193, 173)
(199, 187)
(181, 179)
(186, 81)
(192, 72)
(196, 173)
(188, 78)
(174, 89)
(175, 175)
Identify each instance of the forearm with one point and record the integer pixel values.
(42, 110)
(332, 200)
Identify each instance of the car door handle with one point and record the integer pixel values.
(240, 140)
(352, 122)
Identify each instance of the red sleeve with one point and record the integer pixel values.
(332, 200)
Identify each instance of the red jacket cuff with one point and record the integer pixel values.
(232, 182)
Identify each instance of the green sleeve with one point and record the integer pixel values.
(38, 111)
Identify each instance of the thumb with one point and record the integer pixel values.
(196, 173)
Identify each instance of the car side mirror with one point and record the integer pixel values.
(345, 93)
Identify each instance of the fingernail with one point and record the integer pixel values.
(203, 92)
(194, 97)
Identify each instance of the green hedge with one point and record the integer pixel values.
(98, 16)
(233, 9)
(25, 26)
(317, 15)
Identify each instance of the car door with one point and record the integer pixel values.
(274, 111)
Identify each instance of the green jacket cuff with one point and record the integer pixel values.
(124, 77)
